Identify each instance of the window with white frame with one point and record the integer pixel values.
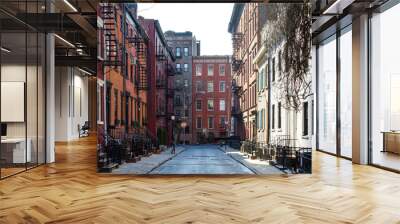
(221, 70)
(198, 123)
(198, 69)
(178, 52)
(210, 70)
(222, 86)
(198, 105)
(210, 86)
(210, 105)
(222, 105)
(185, 67)
(210, 122)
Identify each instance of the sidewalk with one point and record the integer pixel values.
(258, 166)
(146, 164)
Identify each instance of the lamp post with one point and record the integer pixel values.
(173, 136)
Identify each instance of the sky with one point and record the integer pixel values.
(207, 21)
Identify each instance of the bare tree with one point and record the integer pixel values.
(288, 28)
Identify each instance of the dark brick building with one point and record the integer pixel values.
(160, 61)
(211, 88)
(184, 46)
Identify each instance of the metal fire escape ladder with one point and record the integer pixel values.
(141, 50)
(110, 35)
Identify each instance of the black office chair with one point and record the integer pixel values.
(84, 130)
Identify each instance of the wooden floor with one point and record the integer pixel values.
(70, 191)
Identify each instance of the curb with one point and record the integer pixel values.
(255, 171)
(162, 163)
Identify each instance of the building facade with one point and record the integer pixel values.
(245, 26)
(122, 70)
(160, 59)
(211, 80)
(184, 46)
(261, 62)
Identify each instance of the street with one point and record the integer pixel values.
(202, 159)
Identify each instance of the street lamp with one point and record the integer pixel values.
(173, 137)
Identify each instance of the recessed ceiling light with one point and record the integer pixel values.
(64, 40)
(5, 50)
(70, 5)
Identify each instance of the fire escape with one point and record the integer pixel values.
(236, 42)
(141, 50)
(110, 35)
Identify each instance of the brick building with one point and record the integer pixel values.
(122, 70)
(160, 62)
(245, 25)
(185, 46)
(211, 88)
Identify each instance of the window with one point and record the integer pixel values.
(210, 70)
(198, 70)
(199, 86)
(115, 106)
(186, 83)
(221, 70)
(178, 52)
(273, 69)
(186, 113)
(222, 86)
(198, 123)
(210, 87)
(305, 118)
(198, 105)
(210, 122)
(222, 121)
(178, 101)
(186, 51)
(280, 61)
(312, 117)
(273, 117)
(222, 105)
(210, 105)
(279, 115)
(178, 67)
(185, 67)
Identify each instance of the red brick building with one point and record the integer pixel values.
(160, 61)
(211, 97)
(122, 70)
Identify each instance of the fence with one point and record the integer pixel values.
(281, 153)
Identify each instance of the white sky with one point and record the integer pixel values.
(207, 21)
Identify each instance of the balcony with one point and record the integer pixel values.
(237, 90)
(161, 112)
(236, 64)
(161, 83)
(171, 70)
(236, 112)
(178, 103)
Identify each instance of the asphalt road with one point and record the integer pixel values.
(202, 159)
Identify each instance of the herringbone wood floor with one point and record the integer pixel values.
(70, 191)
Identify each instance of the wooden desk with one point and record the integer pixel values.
(13, 150)
(391, 142)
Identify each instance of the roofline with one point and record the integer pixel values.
(236, 13)
(161, 34)
(139, 27)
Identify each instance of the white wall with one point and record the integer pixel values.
(71, 103)
(291, 121)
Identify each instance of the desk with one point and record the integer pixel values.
(13, 150)
(391, 142)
